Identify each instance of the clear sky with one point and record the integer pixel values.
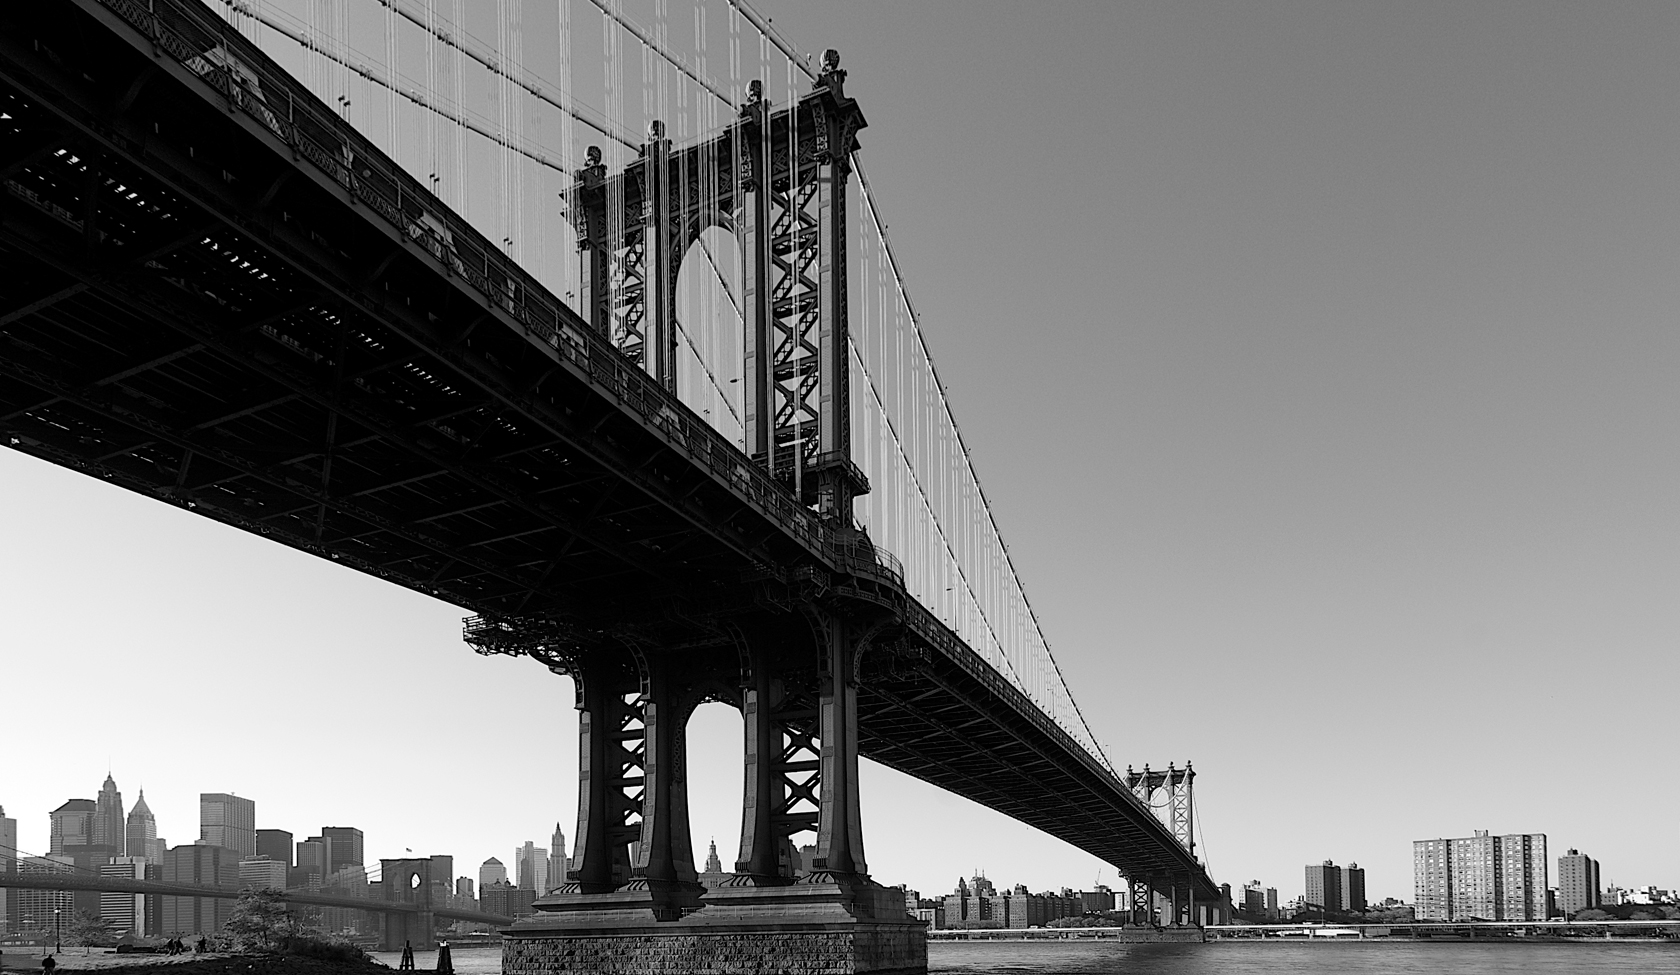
(1321, 361)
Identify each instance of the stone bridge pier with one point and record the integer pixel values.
(796, 688)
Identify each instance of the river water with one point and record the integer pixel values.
(1236, 958)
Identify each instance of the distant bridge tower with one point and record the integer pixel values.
(1171, 791)
(407, 881)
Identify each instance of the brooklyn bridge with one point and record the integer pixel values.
(711, 461)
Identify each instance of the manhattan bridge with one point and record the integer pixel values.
(583, 318)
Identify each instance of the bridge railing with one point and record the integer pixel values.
(255, 86)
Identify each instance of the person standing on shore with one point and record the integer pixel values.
(48, 964)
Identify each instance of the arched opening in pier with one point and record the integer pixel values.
(716, 737)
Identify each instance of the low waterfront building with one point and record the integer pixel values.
(501, 897)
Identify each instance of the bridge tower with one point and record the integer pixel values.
(777, 179)
(408, 882)
(1171, 793)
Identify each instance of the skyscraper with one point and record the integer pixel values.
(490, 872)
(276, 844)
(34, 909)
(108, 816)
(556, 858)
(1578, 884)
(125, 913)
(311, 869)
(531, 862)
(227, 821)
(263, 873)
(1353, 888)
(140, 837)
(1489, 878)
(1324, 885)
(8, 864)
(345, 849)
(72, 826)
(443, 868)
(200, 865)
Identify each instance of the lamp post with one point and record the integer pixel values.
(58, 936)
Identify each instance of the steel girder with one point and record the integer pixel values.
(211, 305)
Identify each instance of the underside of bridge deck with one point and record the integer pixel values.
(235, 304)
(190, 313)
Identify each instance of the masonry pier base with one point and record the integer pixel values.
(797, 929)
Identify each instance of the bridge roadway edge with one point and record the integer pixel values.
(629, 385)
(967, 684)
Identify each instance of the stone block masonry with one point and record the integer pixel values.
(876, 950)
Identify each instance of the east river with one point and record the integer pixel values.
(1238, 958)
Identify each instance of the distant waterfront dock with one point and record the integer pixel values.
(1527, 931)
(1124, 935)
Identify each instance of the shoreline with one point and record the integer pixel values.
(108, 962)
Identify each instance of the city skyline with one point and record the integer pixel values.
(1313, 353)
(1348, 880)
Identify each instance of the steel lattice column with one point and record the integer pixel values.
(782, 776)
(610, 779)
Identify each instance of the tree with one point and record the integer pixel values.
(1592, 914)
(88, 928)
(260, 922)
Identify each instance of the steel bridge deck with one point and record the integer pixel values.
(239, 306)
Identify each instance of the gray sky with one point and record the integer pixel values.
(1320, 361)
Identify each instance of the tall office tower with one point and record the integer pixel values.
(531, 862)
(1578, 888)
(443, 868)
(557, 858)
(311, 869)
(8, 864)
(1480, 877)
(1353, 888)
(276, 844)
(227, 821)
(263, 873)
(33, 910)
(124, 913)
(200, 865)
(140, 837)
(72, 825)
(1324, 885)
(490, 872)
(464, 888)
(108, 816)
(346, 847)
